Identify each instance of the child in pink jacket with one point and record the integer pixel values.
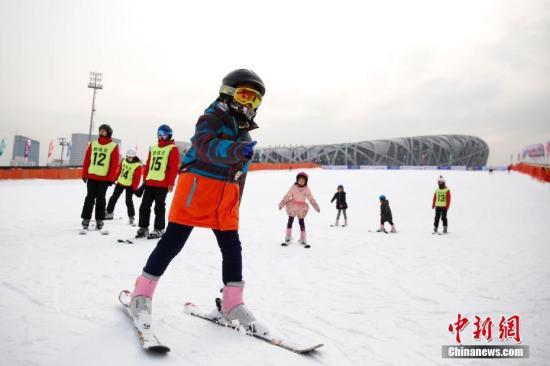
(295, 202)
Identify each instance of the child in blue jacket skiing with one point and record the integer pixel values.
(208, 194)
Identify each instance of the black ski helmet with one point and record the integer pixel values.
(244, 76)
(107, 128)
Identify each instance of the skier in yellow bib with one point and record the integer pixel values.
(441, 202)
(129, 178)
(99, 171)
(160, 173)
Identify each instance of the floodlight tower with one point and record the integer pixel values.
(95, 83)
(63, 143)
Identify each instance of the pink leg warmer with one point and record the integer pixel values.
(144, 287)
(232, 296)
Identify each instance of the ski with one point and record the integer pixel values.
(147, 338)
(133, 239)
(216, 318)
(286, 244)
(111, 219)
(85, 231)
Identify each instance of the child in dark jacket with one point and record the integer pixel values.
(341, 205)
(385, 215)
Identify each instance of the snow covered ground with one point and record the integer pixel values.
(371, 298)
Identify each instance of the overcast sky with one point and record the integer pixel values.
(335, 71)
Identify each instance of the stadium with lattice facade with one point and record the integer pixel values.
(461, 150)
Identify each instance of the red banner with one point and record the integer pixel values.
(50, 149)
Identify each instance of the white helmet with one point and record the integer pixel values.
(441, 179)
(131, 153)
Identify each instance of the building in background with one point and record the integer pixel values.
(79, 144)
(536, 154)
(26, 151)
(438, 150)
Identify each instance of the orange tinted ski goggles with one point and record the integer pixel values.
(247, 96)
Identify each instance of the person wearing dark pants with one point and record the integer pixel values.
(160, 173)
(301, 223)
(99, 171)
(174, 239)
(128, 180)
(441, 213)
(158, 196)
(208, 194)
(341, 204)
(441, 202)
(95, 197)
(385, 214)
(117, 192)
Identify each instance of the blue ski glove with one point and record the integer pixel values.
(248, 149)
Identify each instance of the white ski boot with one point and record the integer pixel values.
(303, 239)
(288, 237)
(234, 310)
(141, 306)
